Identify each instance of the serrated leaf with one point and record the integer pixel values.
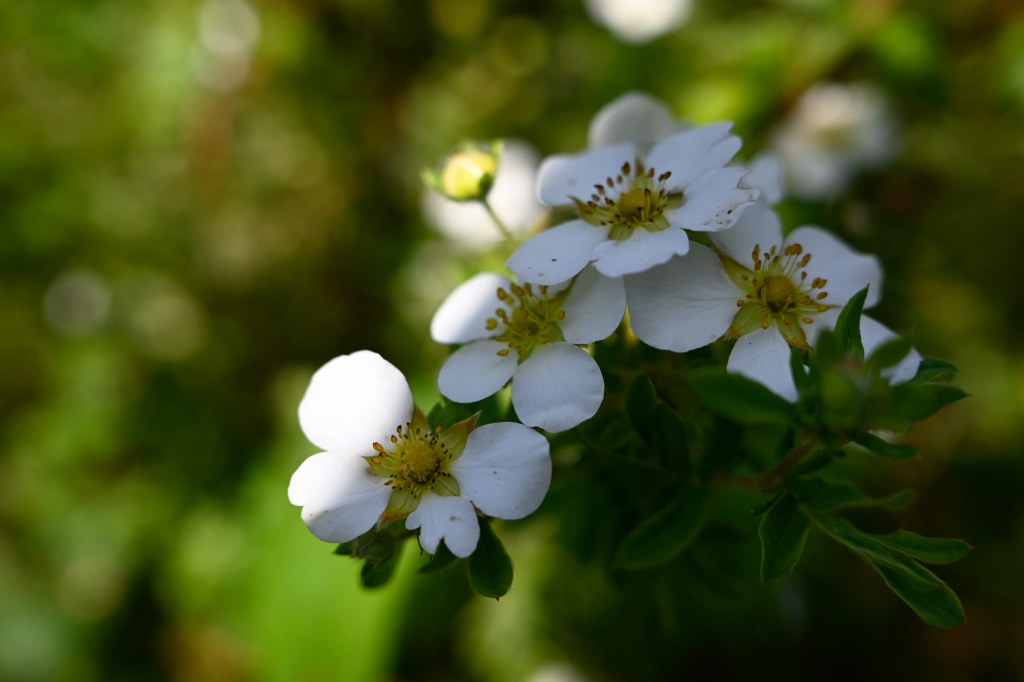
(920, 589)
(670, 439)
(915, 401)
(490, 568)
(739, 398)
(442, 559)
(640, 402)
(783, 532)
(663, 536)
(932, 369)
(882, 447)
(847, 327)
(928, 550)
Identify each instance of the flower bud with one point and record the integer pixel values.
(467, 173)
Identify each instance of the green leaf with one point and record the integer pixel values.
(818, 459)
(442, 559)
(796, 367)
(931, 369)
(928, 550)
(640, 402)
(490, 568)
(882, 447)
(847, 327)
(738, 398)
(915, 401)
(671, 440)
(344, 549)
(930, 598)
(662, 536)
(378, 573)
(783, 532)
(890, 352)
(445, 413)
(820, 494)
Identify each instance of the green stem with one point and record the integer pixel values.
(497, 221)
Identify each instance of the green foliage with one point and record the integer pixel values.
(640, 403)
(490, 568)
(442, 559)
(738, 398)
(895, 557)
(783, 532)
(884, 447)
(847, 328)
(664, 535)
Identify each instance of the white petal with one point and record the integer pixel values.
(558, 387)
(463, 315)
(505, 470)
(633, 118)
(684, 304)
(563, 176)
(450, 518)
(556, 255)
(758, 226)
(340, 498)
(594, 307)
(693, 153)
(476, 371)
(764, 357)
(873, 334)
(641, 251)
(714, 202)
(764, 173)
(846, 270)
(353, 401)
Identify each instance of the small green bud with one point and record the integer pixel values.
(466, 173)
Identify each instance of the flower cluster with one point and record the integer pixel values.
(664, 224)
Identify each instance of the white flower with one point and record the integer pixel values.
(639, 21)
(834, 131)
(766, 291)
(634, 207)
(633, 118)
(528, 335)
(382, 462)
(467, 224)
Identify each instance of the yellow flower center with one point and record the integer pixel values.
(636, 198)
(414, 461)
(777, 292)
(532, 322)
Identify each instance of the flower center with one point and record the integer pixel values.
(777, 291)
(414, 461)
(532, 321)
(636, 198)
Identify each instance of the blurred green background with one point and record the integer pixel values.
(202, 201)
